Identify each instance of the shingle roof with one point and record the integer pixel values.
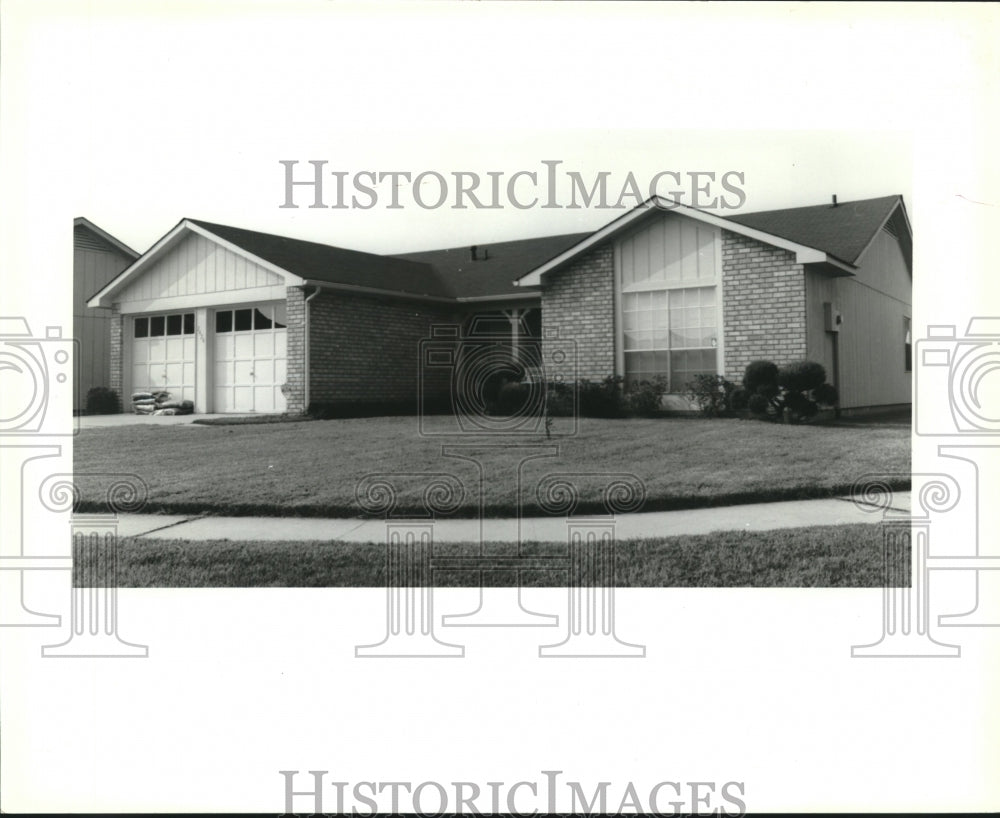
(448, 273)
(497, 266)
(323, 262)
(843, 231)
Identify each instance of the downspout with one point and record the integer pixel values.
(308, 370)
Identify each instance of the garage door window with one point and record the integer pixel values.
(272, 317)
(155, 326)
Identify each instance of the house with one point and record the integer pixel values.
(97, 258)
(242, 321)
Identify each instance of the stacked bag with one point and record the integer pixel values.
(159, 403)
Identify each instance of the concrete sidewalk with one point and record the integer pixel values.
(754, 517)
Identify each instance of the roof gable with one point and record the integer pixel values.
(88, 236)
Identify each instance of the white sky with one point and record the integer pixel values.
(137, 114)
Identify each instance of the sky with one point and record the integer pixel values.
(137, 114)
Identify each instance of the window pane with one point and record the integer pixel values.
(224, 321)
(261, 321)
(279, 316)
(174, 323)
(141, 327)
(156, 325)
(189, 323)
(243, 320)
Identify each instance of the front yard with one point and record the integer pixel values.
(815, 557)
(312, 468)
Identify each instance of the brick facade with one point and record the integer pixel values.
(366, 350)
(115, 355)
(764, 304)
(578, 303)
(295, 377)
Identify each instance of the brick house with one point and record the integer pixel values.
(242, 321)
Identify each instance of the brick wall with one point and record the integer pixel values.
(366, 350)
(115, 355)
(579, 303)
(295, 378)
(764, 308)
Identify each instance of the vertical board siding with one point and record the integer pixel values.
(198, 265)
(870, 343)
(95, 263)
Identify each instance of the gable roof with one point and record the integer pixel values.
(83, 224)
(815, 236)
(834, 236)
(312, 261)
(843, 230)
(496, 267)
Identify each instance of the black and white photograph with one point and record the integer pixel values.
(498, 408)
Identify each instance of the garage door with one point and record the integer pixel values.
(250, 356)
(163, 354)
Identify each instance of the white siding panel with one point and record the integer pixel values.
(197, 266)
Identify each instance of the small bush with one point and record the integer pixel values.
(560, 399)
(801, 376)
(102, 401)
(511, 399)
(603, 399)
(792, 393)
(645, 398)
(760, 374)
(713, 394)
(825, 394)
(758, 404)
(739, 399)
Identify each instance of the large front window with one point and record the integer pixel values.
(669, 302)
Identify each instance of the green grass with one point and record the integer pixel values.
(816, 557)
(311, 469)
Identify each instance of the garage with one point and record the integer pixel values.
(250, 359)
(163, 354)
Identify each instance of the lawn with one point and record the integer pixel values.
(815, 557)
(312, 468)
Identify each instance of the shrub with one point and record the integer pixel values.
(739, 399)
(603, 399)
(511, 399)
(825, 394)
(102, 401)
(645, 398)
(559, 399)
(760, 374)
(801, 376)
(792, 393)
(714, 395)
(758, 404)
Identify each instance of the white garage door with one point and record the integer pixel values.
(163, 354)
(250, 356)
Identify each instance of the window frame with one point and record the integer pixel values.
(620, 291)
